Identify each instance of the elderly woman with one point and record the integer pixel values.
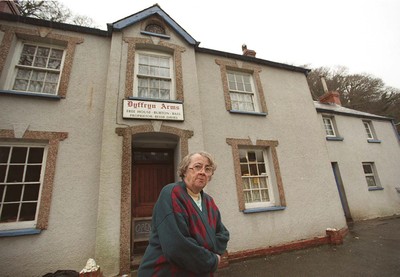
(187, 237)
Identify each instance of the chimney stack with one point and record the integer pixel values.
(248, 52)
(329, 97)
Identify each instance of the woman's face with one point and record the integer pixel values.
(198, 173)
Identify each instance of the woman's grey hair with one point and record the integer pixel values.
(183, 165)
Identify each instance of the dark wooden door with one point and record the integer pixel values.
(152, 169)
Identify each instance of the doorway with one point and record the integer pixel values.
(152, 169)
(342, 193)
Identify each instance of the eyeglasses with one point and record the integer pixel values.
(197, 168)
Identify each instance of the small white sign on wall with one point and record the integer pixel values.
(139, 109)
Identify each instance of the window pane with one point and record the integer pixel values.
(15, 173)
(367, 168)
(27, 55)
(265, 195)
(253, 170)
(246, 184)
(13, 193)
(35, 86)
(40, 62)
(247, 197)
(31, 192)
(28, 211)
(33, 173)
(9, 213)
(21, 85)
(261, 168)
(18, 155)
(370, 181)
(35, 155)
(256, 196)
(244, 169)
(143, 69)
(3, 169)
(252, 156)
(4, 152)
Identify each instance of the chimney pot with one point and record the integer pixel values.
(248, 52)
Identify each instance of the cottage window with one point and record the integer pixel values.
(21, 177)
(368, 130)
(370, 175)
(38, 69)
(330, 128)
(154, 78)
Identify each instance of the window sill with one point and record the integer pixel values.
(42, 95)
(374, 141)
(19, 232)
(335, 138)
(375, 188)
(155, 100)
(249, 113)
(264, 209)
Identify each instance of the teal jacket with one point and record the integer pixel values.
(184, 240)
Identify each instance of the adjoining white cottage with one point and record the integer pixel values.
(93, 124)
(365, 156)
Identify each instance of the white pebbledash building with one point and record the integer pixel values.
(93, 123)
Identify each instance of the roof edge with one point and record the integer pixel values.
(366, 115)
(153, 10)
(252, 59)
(52, 24)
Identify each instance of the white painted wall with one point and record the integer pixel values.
(70, 238)
(352, 152)
(313, 202)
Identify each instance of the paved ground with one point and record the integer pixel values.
(371, 248)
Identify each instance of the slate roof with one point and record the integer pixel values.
(155, 9)
(337, 109)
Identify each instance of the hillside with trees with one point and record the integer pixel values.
(360, 92)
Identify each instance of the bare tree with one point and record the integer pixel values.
(361, 92)
(52, 10)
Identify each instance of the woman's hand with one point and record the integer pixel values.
(219, 258)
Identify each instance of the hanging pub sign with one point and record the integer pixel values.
(139, 109)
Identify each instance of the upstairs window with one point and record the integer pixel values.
(370, 132)
(38, 69)
(330, 128)
(368, 129)
(241, 91)
(154, 76)
(21, 178)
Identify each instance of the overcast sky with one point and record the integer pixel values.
(362, 35)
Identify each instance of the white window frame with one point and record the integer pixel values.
(171, 78)
(329, 126)
(252, 93)
(368, 129)
(253, 179)
(15, 66)
(31, 223)
(371, 175)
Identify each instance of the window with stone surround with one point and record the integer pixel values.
(154, 76)
(37, 65)
(258, 179)
(242, 88)
(37, 69)
(27, 167)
